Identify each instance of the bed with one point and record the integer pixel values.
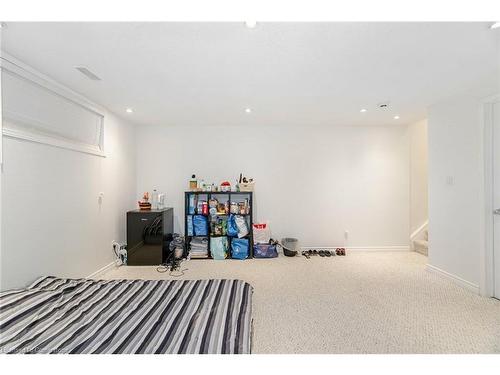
(57, 315)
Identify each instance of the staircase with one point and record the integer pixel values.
(422, 246)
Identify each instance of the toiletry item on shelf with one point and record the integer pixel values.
(154, 200)
(161, 201)
(213, 203)
(193, 183)
(225, 186)
(145, 205)
(234, 208)
(221, 208)
(204, 208)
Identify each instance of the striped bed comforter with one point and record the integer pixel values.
(56, 315)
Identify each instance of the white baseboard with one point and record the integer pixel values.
(101, 271)
(457, 280)
(368, 248)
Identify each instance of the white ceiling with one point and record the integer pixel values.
(308, 74)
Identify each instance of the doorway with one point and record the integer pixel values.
(495, 113)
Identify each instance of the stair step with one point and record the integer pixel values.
(421, 246)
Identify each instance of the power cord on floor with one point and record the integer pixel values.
(173, 265)
(175, 272)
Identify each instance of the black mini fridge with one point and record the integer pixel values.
(148, 236)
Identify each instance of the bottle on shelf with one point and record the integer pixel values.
(154, 199)
(193, 183)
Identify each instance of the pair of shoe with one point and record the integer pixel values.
(321, 253)
(340, 251)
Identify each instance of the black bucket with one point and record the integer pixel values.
(289, 246)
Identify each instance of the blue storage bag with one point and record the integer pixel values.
(232, 229)
(263, 250)
(200, 225)
(218, 247)
(239, 248)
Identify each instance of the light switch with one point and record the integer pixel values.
(450, 180)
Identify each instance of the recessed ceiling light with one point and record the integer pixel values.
(129, 110)
(248, 110)
(396, 117)
(251, 24)
(496, 25)
(363, 110)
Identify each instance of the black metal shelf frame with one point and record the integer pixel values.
(209, 194)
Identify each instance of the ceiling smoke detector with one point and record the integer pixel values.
(383, 105)
(87, 73)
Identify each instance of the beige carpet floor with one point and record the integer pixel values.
(362, 303)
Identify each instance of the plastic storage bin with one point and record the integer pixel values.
(290, 246)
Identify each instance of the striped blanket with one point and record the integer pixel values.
(56, 315)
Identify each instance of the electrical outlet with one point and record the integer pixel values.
(346, 234)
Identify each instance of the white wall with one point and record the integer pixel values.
(418, 174)
(52, 223)
(455, 187)
(311, 183)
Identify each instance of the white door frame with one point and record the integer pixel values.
(486, 283)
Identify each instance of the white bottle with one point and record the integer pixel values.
(161, 201)
(154, 200)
